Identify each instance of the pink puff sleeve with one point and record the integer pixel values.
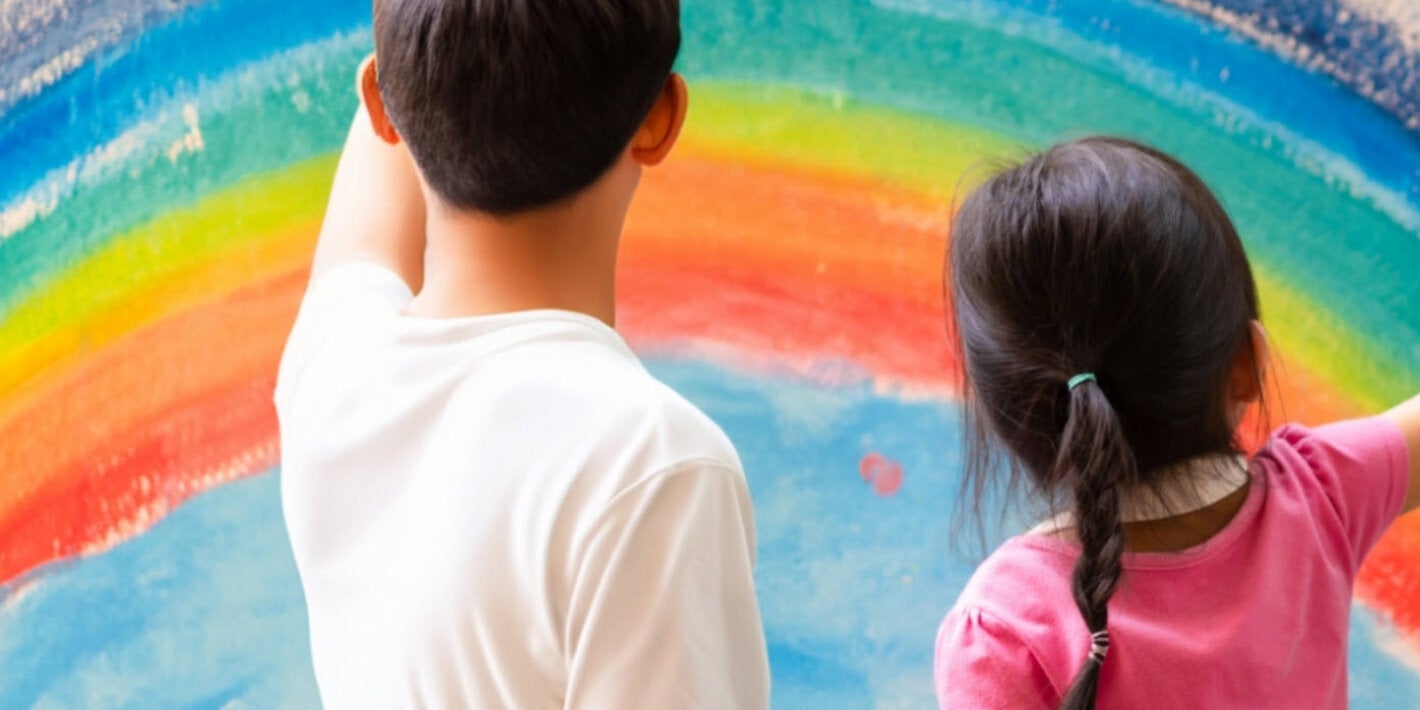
(981, 663)
(1361, 466)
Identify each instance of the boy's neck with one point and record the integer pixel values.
(562, 257)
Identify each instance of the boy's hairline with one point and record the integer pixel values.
(441, 202)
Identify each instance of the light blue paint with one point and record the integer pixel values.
(203, 611)
(1378, 679)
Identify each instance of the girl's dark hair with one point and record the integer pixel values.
(1098, 256)
(512, 105)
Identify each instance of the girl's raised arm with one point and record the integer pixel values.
(1406, 415)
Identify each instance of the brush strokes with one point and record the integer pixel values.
(153, 245)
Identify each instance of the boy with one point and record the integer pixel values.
(491, 503)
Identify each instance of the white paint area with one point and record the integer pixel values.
(103, 160)
(180, 129)
(20, 21)
(55, 69)
(27, 210)
(191, 142)
(24, 15)
(1402, 15)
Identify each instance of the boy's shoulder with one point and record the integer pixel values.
(586, 424)
(541, 390)
(586, 389)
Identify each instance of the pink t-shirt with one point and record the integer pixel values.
(1256, 617)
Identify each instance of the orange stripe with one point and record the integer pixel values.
(34, 367)
(142, 473)
(177, 362)
(1391, 576)
(861, 235)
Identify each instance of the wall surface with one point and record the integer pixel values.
(164, 170)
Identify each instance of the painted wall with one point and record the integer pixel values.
(164, 170)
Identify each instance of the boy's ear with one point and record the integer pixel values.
(658, 133)
(1250, 366)
(368, 83)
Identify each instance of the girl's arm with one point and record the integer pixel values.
(1407, 416)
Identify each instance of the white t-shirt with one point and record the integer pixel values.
(508, 512)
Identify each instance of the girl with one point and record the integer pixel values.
(1108, 321)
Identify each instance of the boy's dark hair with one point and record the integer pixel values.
(512, 105)
(1108, 257)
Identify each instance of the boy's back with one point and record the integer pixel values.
(507, 511)
(491, 503)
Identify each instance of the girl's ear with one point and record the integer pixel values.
(368, 85)
(658, 133)
(1250, 366)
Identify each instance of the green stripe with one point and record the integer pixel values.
(252, 122)
(218, 224)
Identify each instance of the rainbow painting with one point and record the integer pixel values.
(163, 171)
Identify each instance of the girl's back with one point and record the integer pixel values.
(1255, 617)
(1108, 321)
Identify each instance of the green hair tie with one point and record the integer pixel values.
(1081, 379)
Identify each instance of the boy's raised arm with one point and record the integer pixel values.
(376, 208)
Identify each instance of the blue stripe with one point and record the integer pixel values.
(94, 104)
(1369, 56)
(27, 46)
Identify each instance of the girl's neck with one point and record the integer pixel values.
(1187, 506)
(1186, 530)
